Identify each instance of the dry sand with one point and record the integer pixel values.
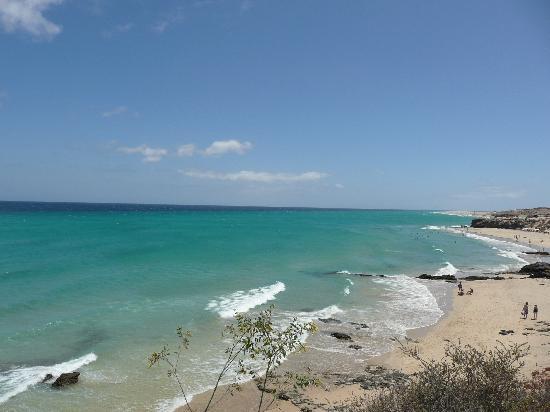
(534, 239)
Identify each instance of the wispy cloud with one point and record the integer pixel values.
(246, 5)
(28, 16)
(186, 150)
(168, 20)
(149, 154)
(487, 192)
(252, 176)
(114, 112)
(119, 28)
(221, 147)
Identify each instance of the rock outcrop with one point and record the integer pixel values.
(66, 379)
(476, 277)
(537, 270)
(341, 336)
(437, 277)
(537, 219)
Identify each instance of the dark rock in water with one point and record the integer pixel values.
(537, 270)
(436, 277)
(538, 253)
(360, 325)
(341, 336)
(356, 347)
(475, 277)
(66, 379)
(330, 320)
(47, 377)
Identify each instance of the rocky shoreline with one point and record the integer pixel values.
(537, 220)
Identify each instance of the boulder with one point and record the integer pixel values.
(47, 377)
(356, 347)
(66, 379)
(341, 336)
(537, 270)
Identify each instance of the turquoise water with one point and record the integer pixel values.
(103, 287)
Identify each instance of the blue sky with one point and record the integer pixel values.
(376, 104)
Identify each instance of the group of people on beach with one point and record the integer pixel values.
(525, 311)
(461, 290)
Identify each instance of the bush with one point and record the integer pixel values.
(253, 338)
(466, 379)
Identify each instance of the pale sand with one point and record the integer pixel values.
(534, 239)
(477, 320)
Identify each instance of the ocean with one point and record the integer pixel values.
(98, 287)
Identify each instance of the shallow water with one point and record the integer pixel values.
(98, 287)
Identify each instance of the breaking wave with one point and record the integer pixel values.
(18, 380)
(448, 269)
(242, 301)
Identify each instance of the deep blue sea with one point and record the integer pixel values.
(99, 287)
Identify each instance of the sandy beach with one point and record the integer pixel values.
(536, 240)
(473, 319)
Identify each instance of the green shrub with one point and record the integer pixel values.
(466, 379)
(252, 338)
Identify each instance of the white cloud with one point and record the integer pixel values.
(149, 154)
(115, 112)
(251, 176)
(339, 186)
(27, 15)
(221, 147)
(486, 192)
(119, 28)
(186, 150)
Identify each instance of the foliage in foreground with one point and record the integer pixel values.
(466, 379)
(256, 347)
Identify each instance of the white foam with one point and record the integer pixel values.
(431, 227)
(448, 269)
(511, 255)
(15, 381)
(242, 301)
(324, 313)
(504, 248)
(346, 290)
(410, 303)
(170, 405)
(350, 281)
(439, 250)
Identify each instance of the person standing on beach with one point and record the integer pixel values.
(525, 311)
(535, 312)
(460, 286)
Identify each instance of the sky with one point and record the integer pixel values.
(431, 104)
